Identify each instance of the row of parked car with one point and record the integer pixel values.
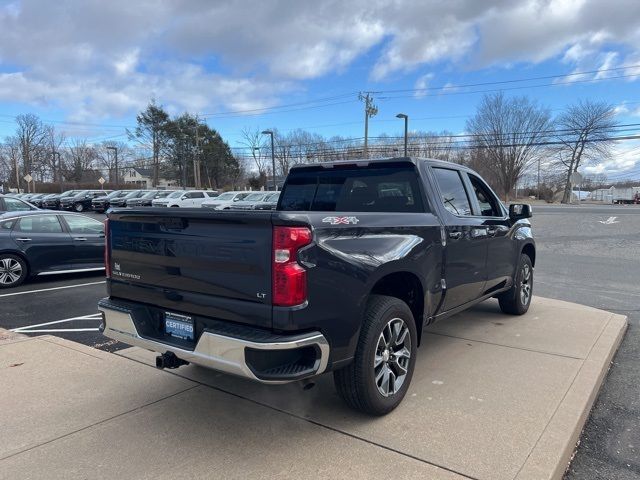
(102, 200)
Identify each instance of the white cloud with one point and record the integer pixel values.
(422, 83)
(92, 57)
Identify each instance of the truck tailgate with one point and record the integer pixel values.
(216, 264)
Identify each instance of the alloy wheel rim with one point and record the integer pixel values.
(392, 357)
(10, 271)
(525, 285)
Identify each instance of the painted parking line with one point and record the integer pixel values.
(52, 288)
(35, 329)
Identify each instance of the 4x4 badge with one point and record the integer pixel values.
(340, 220)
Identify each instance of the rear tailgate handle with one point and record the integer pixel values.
(455, 235)
(80, 239)
(23, 239)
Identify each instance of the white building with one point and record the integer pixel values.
(143, 178)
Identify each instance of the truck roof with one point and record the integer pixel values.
(368, 162)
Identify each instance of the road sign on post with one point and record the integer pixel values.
(101, 182)
(27, 178)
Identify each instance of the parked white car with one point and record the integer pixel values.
(192, 198)
(225, 200)
(163, 202)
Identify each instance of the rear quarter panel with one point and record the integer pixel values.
(345, 261)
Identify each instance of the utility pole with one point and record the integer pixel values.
(196, 158)
(406, 130)
(273, 159)
(59, 168)
(369, 111)
(538, 192)
(115, 149)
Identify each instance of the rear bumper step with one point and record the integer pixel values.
(259, 356)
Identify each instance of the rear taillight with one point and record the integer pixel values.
(107, 249)
(289, 284)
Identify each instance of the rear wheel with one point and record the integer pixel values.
(517, 299)
(378, 379)
(13, 270)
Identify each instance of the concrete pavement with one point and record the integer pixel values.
(493, 397)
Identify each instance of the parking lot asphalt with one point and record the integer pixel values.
(588, 254)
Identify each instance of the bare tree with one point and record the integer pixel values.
(53, 155)
(79, 159)
(11, 154)
(32, 137)
(585, 132)
(510, 131)
(254, 141)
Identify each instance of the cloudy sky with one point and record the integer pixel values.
(89, 65)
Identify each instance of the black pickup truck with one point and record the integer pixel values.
(341, 277)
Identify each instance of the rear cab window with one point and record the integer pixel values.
(378, 187)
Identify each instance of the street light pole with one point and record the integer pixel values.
(406, 130)
(273, 159)
(115, 149)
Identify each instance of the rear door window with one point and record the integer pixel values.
(376, 188)
(452, 192)
(40, 224)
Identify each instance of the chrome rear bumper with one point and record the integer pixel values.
(218, 352)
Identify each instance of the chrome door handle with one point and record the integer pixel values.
(80, 239)
(23, 239)
(455, 235)
(491, 231)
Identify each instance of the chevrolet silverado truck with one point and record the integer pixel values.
(342, 277)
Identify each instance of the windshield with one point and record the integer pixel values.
(176, 194)
(272, 198)
(115, 194)
(226, 196)
(81, 193)
(133, 194)
(163, 194)
(254, 197)
(150, 194)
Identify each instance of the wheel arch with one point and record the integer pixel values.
(530, 250)
(405, 286)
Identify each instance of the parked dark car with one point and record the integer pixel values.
(12, 204)
(342, 277)
(122, 201)
(101, 204)
(43, 243)
(53, 203)
(38, 201)
(268, 203)
(82, 200)
(146, 199)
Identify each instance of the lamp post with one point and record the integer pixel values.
(406, 129)
(115, 149)
(273, 159)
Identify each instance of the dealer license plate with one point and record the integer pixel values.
(179, 326)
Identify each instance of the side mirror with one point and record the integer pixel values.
(518, 211)
(183, 197)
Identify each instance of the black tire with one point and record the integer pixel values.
(517, 299)
(356, 383)
(13, 270)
